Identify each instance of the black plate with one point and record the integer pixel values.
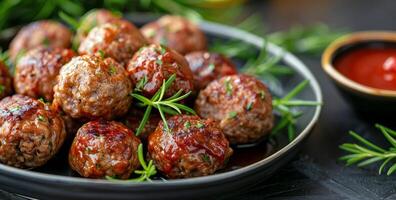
(248, 166)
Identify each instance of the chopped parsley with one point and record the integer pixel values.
(262, 94)
(41, 118)
(205, 158)
(164, 41)
(249, 106)
(101, 53)
(46, 42)
(113, 70)
(158, 61)
(2, 88)
(199, 125)
(228, 87)
(211, 67)
(140, 85)
(232, 114)
(187, 124)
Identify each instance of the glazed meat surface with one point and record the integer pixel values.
(41, 33)
(5, 81)
(30, 133)
(104, 148)
(37, 70)
(192, 147)
(119, 40)
(92, 87)
(208, 66)
(177, 33)
(241, 104)
(153, 64)
(90, 20)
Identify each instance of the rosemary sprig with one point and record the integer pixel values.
(164, 106)
(288, 117)
(148, 171)
(367, 153)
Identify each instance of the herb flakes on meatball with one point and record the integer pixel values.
(36, 72)
(177, 33)
(241, 104)
(208, 66)
(192, 147)
(41, 33)
(118, 39)
(104, 148)
(30, 133)
(153, 64)
(91, 87)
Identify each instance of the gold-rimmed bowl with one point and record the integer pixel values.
(363, 98)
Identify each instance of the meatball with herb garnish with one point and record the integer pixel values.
(177, 33)
(153, 64)
(41, 33)
(208, 66)
(104, 148)
(91, 87)
(5, 81)
(90, 20)
(30, 133)
(37, 70)
(191, 147)
(118, 39)
(241, 104)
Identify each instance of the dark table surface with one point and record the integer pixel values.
(315, 173)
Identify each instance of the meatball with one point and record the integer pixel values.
(177, 33)
(5, 81)
(91, 87)
(41, 33)
(90, 20)
(118, 40)
(104, 148)
(153, 64)
(241, 104)
(134, 117)
(192, 147)
(36, 71)
(208, 67)
(30, 133)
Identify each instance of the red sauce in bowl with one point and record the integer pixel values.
(371, 66)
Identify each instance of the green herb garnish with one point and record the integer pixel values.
(169, 105)
(228, 87)
(41, 118)
(148, 171)
(249, 106)
(140, 85)
(158, 61)
(367, 153)
(101, 53)
(199, 125)
(16, 108)
(205, 158)
(262, 94)
(187, 124)
(211, 67)
(113, 70)
(232, 114)
(288, 117)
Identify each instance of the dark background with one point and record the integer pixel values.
(315, 173)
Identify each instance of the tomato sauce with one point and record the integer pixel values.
(371, 66)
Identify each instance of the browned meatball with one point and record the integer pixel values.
(104, 148)
(153, 64)
(36, 71)
(241, 104)
(192, 147)
(177, 33)
(134, 117)
(208, 67)
(118, 40)
(92, 19)
(41, 33)
(30, 133)
(5, 81)
(92, 87)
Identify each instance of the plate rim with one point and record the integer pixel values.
(219, 30)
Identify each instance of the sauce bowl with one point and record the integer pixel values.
(361, 97)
